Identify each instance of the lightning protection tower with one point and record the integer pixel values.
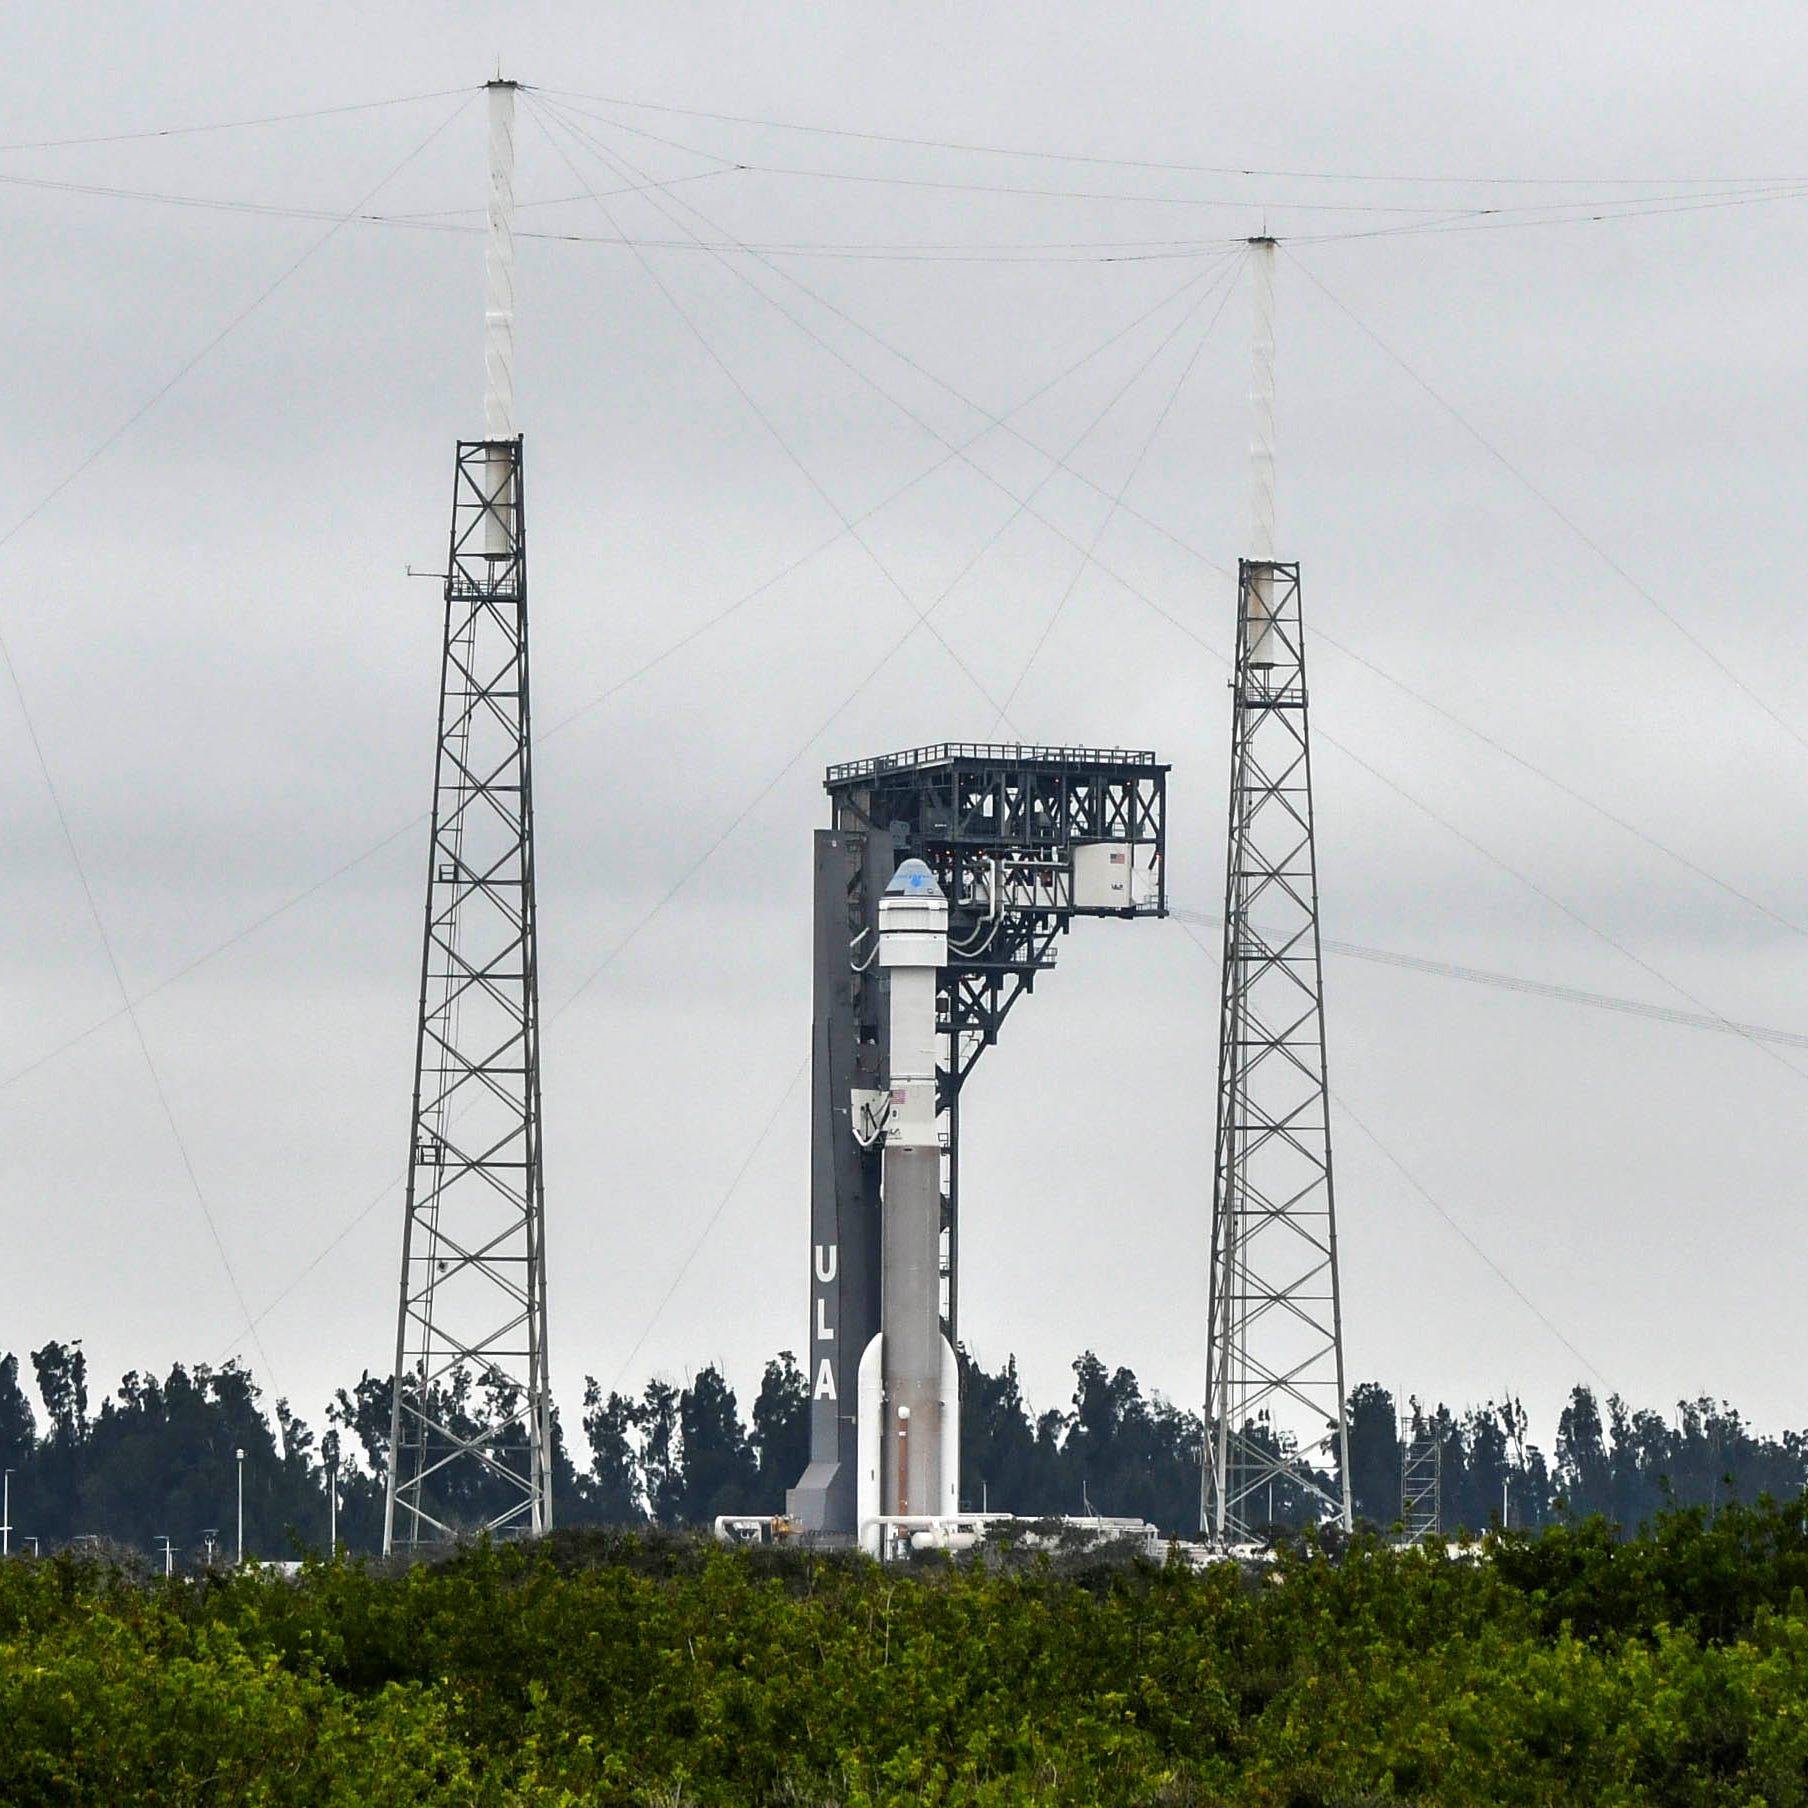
(1274, 1368)
(470, 1427)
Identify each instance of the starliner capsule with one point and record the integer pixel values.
(909, 1386)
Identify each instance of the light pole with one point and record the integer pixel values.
(240, 1454)
(329, 1448)
(6, 1519)
(210, 1537)
(169, 1556)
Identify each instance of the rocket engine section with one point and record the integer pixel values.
(909, 1389)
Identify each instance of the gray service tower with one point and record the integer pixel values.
(942, 885)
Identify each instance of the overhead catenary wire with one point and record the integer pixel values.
(1534, 988)
(1089, 554)
(1123, 489)
(1553, 507)
(884, 179)
(1214, 955)
(1602, 214)
(765, 419)
(290, 270)
(1700, 189)
(290, 211)
(1439, 217)
(708, 1229)
(41, 758)
(923, 621)
(1173, 167)
(1436, 217)
(653, 663)
(1562, 785)
(1079, 251)
(234, 125)
(873, 383)
(671, 892)
(1707, 1021)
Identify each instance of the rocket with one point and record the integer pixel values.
(908, 1407)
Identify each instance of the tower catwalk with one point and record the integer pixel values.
(1276, 1429)
(470, 1426)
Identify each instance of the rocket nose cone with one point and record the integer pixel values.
(913, 880)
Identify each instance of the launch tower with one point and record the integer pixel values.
(1016, 842)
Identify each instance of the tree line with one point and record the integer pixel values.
(157, 1459)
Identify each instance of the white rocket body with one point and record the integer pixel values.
(909, 1385)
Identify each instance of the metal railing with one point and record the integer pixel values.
(948, 753)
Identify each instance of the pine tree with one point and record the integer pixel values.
(719, 1471)
(615, 1493)
(781, 1429)
(18, 1423)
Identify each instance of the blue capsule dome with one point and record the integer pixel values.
(913, 879)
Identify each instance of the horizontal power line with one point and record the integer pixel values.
(1539, 988)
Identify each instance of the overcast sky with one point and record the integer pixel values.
(232, 678)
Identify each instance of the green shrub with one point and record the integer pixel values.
(613, 1668)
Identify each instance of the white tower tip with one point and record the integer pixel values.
(1261, 402)
(499, 269)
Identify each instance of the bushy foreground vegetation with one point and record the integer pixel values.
(643, 1668)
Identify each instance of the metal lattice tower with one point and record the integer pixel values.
(1421, 1476)
(1275, 1419)
(470, 1429)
